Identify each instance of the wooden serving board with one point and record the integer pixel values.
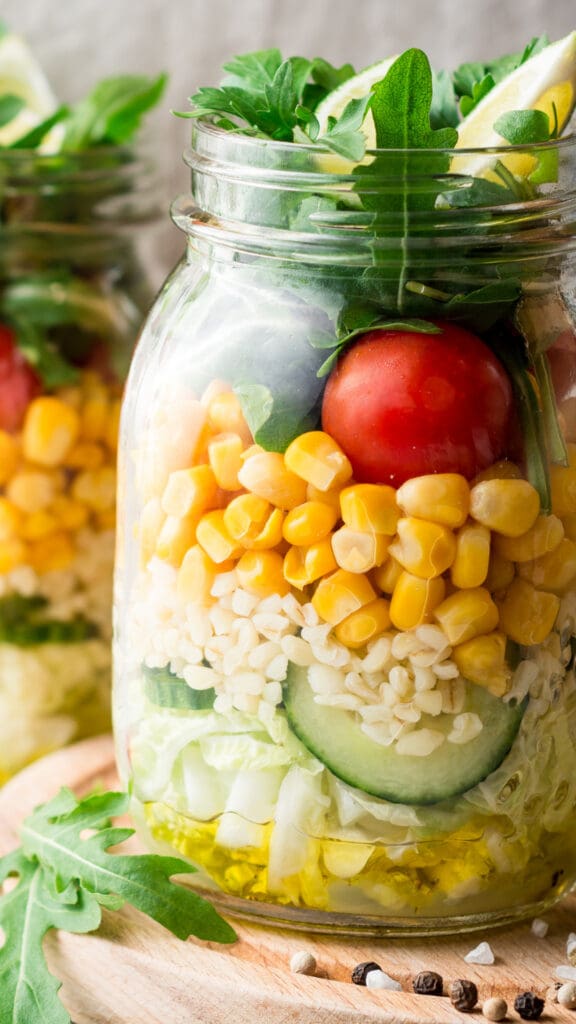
(132, 971)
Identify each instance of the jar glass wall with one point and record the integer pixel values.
(345, 589)
(73, 292)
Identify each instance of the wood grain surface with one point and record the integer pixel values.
(134, 972)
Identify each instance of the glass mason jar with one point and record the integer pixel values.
(73, 293)
(346, 577)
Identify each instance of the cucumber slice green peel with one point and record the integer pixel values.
(167, 690)
(335, 737)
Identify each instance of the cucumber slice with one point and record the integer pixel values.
(335, 737)
(167, 690)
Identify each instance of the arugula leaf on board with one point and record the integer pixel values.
(112, 112)
(64, 876)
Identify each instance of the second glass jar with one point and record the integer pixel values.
(73, 293)
(346, 580)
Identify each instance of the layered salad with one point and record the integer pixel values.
(347, 584)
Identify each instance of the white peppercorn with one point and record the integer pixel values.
(495, 1008)
(566, 995)
(303, 963)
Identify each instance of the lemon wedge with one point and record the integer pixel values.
(544, 81)
(334, 104)
(21, 75)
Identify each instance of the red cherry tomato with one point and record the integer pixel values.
(18, 383)
(402, 404)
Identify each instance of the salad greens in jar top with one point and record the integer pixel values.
(72, 296)
(345, 665)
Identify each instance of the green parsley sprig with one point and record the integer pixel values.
(64, 875)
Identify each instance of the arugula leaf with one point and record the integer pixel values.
(10, 107)
(253, 71)
(52, 835)
(51, 366)
(480, 89)
(112, 112)
(63, 881)
(274, 419)
(28, 991)
(523, 127)
(473, 80)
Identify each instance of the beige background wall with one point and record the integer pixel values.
(79, 41)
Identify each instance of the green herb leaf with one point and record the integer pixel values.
(523, 127)
(344, 136)
(10, 107)
(42, 354)
(112, 112)
(36, 135)
(401, 107)
(363, 324)
(274, 419)
(468, 77)
(479, 91)
(52, 836)
(253, 71)
(444, 108)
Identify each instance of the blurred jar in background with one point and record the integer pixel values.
(72, 295)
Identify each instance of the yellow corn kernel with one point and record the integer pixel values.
(365, 624)
(52, 553)
(308, 523)
(189, 491)
(470, 565)
(224, 456)
(340, 594)
(253, 522)
(386, 576)
(94, 417)
(246, 515)
(414, 600)
(330, 497)
(370, 507)
(31, 490)
(563, 489)
(359, 552)
(195, 577)
(304, 565)
(85, 455)
(225, 416)
(527, 615)
(71, 395)
(10, 519)
(50, 430)
(507, 506)
(261, 573)
(569, 524)
(9, 456)
(440, 497)
(148, 529)
(13, 553)
(466, 614)
(318, 459)
(543, 536)
(500, 573)
(39, 524)
(425, 549)
(482, 660)
(502, 470)
(113, 425)
(554, 571)
(176, 535)
(106, 520)
(213, 536)
(71, 515)
(96, 488)
(266, 474)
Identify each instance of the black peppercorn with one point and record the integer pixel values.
(463, 994)
(529, 1006)
(361, 971)
(428, 983)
